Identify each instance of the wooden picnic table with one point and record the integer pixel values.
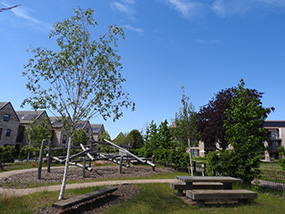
(225, 180)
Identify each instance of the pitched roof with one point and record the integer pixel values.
(96, 127)
(29, 116)
(82, 124)
(3, 104)
(56, 122)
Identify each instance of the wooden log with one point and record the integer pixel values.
(49, 157)
(88, 154)
(80, 165)
(129, 153)
(58, 159)
(120, 166)
(84, 166)
(41, 159)
(63, 204)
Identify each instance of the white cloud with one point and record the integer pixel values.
(138, 30)
(23, 15)
(231, 7)
(275, 3)
(222, 8)
(227, 8)
(129, 1)
(124, 6)
(186, 8)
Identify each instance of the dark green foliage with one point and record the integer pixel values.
(185, 130)
(151, 141)
(7, 154)
(158, 142)
(79, 137)
(211, 117)
(121, 139)
(180, 158)
(36, 133)
(135, 138)
(245, 133)
(29, 152)
(106, 136)
(235, 164)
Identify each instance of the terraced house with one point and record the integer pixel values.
(9, 124)
(27, 118)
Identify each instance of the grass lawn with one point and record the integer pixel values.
(152, 198)
(159, 198)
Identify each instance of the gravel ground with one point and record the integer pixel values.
(23, 180)
(125, 192)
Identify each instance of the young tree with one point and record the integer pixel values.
(36, 133)
(165, 145)
(186, 130)
(135, 138)
(82, 79)
(158, 142)
(151, 140)
(121, 139)
(245, 132)
(80, 137)
(106, 136)
(211, 117)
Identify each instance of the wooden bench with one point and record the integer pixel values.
(63, 204)
(181, 186)
(212, 195)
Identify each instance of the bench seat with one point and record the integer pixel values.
(206, 195)
(180, 186)
(63, 204)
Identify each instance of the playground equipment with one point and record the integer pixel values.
(93, 153)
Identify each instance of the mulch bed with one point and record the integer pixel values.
(23, 180)
(125, 192)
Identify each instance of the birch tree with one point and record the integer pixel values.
(81, 79)
(185, 130)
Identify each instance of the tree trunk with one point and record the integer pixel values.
(190, 156)
(61, 194)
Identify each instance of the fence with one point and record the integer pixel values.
(273, 181)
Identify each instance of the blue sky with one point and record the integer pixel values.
(205, 45)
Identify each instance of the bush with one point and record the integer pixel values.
(7, 154)
(29, 150)
(235, 164)
(180, 158)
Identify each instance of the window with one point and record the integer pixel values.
(87, 130)
(273, 135)
(8, 132)
(64, 139)
(195, 152)
(1, 132)
(6, 117)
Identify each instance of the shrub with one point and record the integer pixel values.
(7, 154)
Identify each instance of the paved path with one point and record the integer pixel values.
(269, 184)
(27, 191)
